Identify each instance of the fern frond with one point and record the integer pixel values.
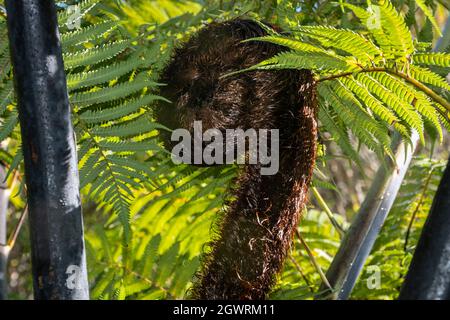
(432, 58)
(403, 109)
(110, 186)
(343, 39)
(375, 105)
(88, 33)
(149, 255)
(121, 206)
(371, 19)
(444, 116)
(102, 75)
(83, 8)
(396, 29)
(339, 135)
(143, 170)
(8, 124)
(366, 129)
(6, 96)
(131, 177)
(95, 55)
(115, 112)
(130, 146)
(427, 76)
(90, 168)
(5, 64)
(289, 43)
(304, 60)
(429, 14)
(409, 95)
(113, 93)
(130, 128)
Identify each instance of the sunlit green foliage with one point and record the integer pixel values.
(147, 220)
(369, 81)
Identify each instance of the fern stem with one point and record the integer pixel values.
(433, 95)
(417, 208)
(313, 260)
(328, 212)
(303, 275)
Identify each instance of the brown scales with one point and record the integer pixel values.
(255, 233)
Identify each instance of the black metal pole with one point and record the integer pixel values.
(428, 277)
(429, 273)
(57, 244)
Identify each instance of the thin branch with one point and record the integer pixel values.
(12, 239)
(327, 210)
(299, 269)
(137, 275)
(416, 209)
(314, 261)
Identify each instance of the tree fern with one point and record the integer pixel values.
(164, 213)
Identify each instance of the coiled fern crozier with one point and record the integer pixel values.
(258, 225)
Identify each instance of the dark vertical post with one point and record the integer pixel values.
(429, 273)
(428, 277)
(57, 244)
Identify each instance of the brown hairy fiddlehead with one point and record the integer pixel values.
(255, 233)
